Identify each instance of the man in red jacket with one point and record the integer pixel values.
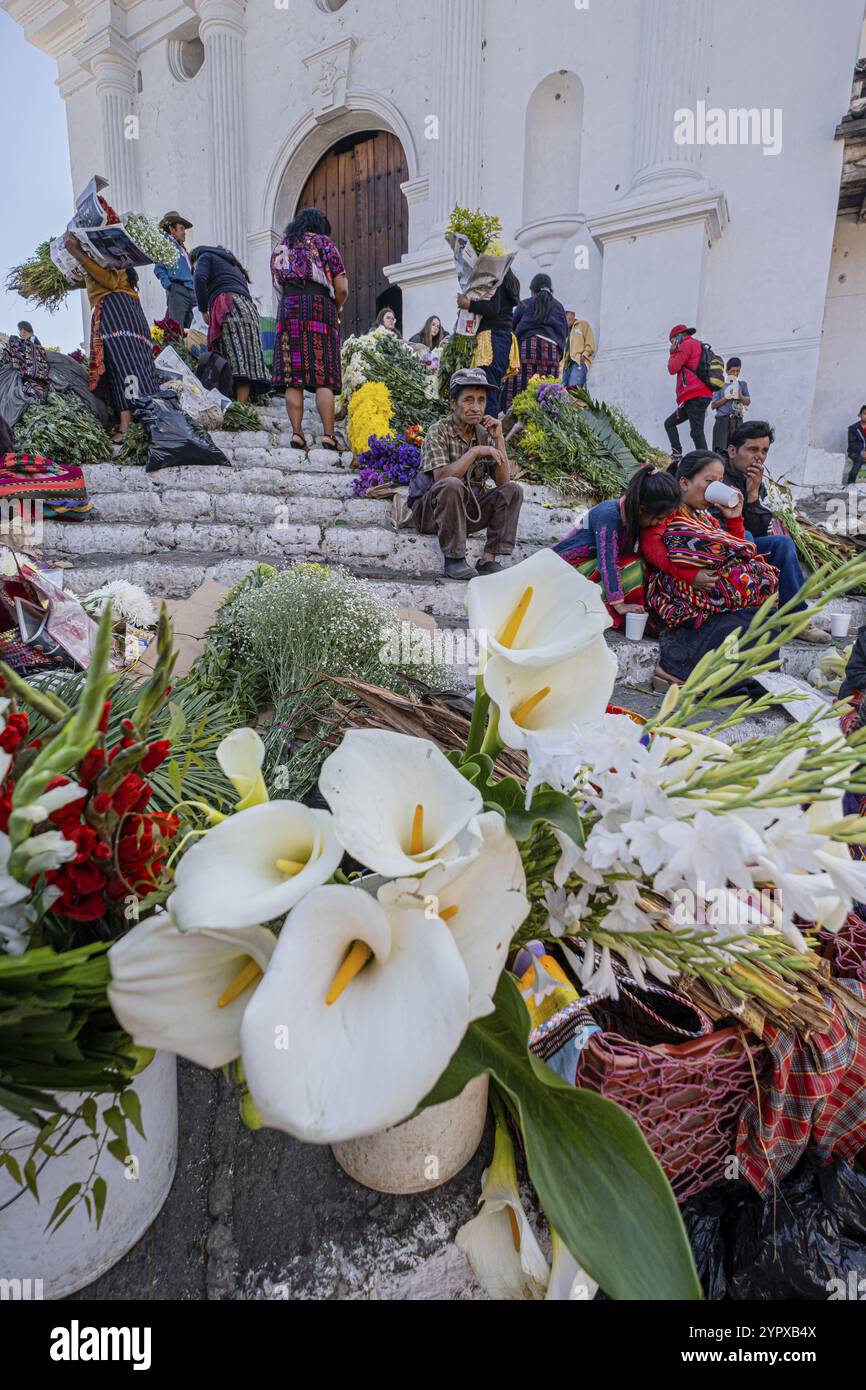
(693, 395)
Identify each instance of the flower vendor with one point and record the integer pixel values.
(120, 343)
(222, 288)
(310, 278)
(605, 548)
(177, 280)
(707, 578)
(450, 494)
(495, 345)
(541, 331)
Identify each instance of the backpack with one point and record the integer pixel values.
(710, 369)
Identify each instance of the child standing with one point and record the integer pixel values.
(729, 405)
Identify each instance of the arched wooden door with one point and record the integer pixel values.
(357, 186)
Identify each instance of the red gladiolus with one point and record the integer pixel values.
(155, 755)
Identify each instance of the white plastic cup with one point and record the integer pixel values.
(635, 626)
(720, 495)
(839, 624)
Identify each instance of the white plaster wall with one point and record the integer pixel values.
(841, 384)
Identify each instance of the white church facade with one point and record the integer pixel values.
(665, 161)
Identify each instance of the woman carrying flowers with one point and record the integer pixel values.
(605, 548)
(120, 344)
(707, 579)
(310, 278)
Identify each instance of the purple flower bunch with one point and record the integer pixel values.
(391, 462)
(551, 397)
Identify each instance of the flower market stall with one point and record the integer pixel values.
(374, 903)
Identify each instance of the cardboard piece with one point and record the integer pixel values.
(191, 618)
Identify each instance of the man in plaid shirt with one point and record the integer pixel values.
(464, 483)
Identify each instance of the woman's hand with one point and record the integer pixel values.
(622, 607)
(704, 581)
(731, 513)
(463, 301)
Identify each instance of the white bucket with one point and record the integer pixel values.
(78, 1253)
(423, 1153)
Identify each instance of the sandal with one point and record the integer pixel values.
(662, 682)
(329, 442)
(298, 441)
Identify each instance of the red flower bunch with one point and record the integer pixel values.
(112, 216)
(415, 435)
(120, 845)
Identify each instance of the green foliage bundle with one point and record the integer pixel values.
(39, 280)
(63, 429)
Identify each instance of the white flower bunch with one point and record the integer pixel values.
(735, 855)
(129, 603)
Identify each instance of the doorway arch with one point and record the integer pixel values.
(356, 183)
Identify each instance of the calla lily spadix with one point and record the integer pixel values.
(399, 807)
(240, 756)
(186, 992)
(549, 703)
(254, 867)
(366, 1042)
(483, 900)
(538, 612)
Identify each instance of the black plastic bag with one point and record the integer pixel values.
(806, 1241)
(173, 439)
(214, 373)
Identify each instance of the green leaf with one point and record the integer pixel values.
(65, 1217)
(63, 1201)
(599, 1183)
(116, 1122)
(30, 1176)
(118, 1149)
(131, 1107)
(89, 1114)
(100, 1191)
(177, 723)
(175, 778)
(9, 1162)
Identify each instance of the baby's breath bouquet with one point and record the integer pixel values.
(162, 250)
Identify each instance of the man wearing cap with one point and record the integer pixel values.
(177, 280)
(464, 485)
(693, 395)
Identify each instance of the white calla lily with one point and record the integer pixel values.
(399, 806)
(538, 612)
(499, 1242)
(240, 756)
(483, 900)
(550, 703)
(186, 992)
(568, 1280)
(376, 1001)
(254, 867)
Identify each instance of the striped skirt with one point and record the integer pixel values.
(240, 343)
(307, 344)
(121, 347)
(538, 357)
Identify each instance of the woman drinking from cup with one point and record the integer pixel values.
(706, 579)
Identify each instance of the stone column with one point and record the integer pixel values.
(671, 75)
(115, 73)
(457, 177)
(222, 32)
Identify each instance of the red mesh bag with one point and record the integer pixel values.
(846, 949)
(686, 1097)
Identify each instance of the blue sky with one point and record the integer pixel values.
(38, 185)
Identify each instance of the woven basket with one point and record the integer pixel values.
(686, 1097)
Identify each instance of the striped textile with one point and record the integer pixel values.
(814, 1098)
(268, 335)
(239, 342)
(307, 348)
(538, 357)
(120, 330)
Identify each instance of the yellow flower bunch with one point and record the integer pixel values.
(157, 334)
(370, 413)
(533, 440)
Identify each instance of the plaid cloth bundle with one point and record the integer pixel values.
(814, 1096)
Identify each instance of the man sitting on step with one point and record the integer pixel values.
(464, 483)
(748, 447)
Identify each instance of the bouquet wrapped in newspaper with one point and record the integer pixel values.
(480, 259)
(116, 242)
